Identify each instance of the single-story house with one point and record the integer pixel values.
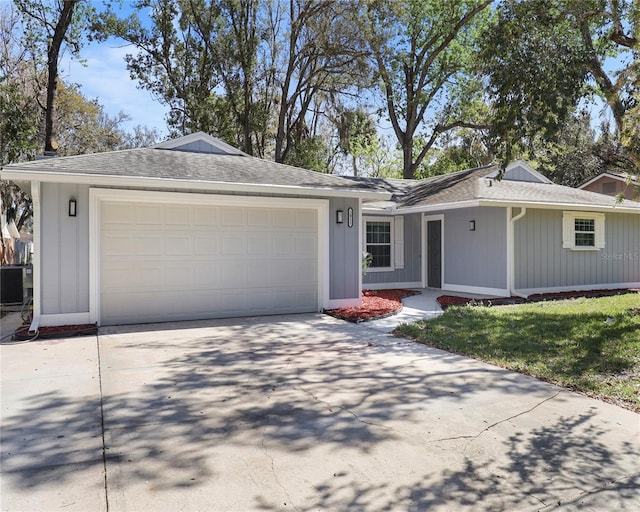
(193, 228)
(613, 183)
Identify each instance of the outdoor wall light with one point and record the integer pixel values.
(472, 225)
(73, 208)
(339, 216)
(350, 217)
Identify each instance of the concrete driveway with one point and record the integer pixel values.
(299, 413)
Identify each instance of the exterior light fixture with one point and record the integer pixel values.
(350, 217)
(73, 208)
(339, 216)
(472, 225)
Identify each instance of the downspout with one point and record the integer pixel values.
(512, 253)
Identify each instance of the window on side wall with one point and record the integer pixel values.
(379, 243)
(583, 231)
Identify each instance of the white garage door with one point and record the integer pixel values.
(162, 262)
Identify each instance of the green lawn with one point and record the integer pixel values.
(590, 345)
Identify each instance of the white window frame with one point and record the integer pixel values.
(391, 222)
(569, 230)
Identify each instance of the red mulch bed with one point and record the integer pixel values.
(451, 300)
(51, 332)
(375, 304)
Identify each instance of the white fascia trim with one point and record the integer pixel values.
(582, 288)
(55, 320)
(392, 286)
(343, 303)
(473, 203)
(478, 290)
(98, 195)
(613, 208)
(100, 180)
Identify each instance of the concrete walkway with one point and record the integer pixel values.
(417, 307)
(300, 413)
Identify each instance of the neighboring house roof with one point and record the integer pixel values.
(169, 166)
(475, 187)
(619, 176)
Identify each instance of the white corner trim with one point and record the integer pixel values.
(54, 320)
(343, 303)
(582, 288)
(37, 250)
(392, 286)
(479, 290)
(358, 225)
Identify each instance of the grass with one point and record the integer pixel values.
(591, 345)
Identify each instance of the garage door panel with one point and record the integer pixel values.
(150, 215)
(231, 216)
(305, 220)
(176, 262)
(178, 245)
(178, 216)
(232, 245)
(258, 217)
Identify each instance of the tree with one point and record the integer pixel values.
(318, 51)
(422, 53)
(543, 56)
(578, 153)
(254, 73)
(462, 149)
(175, 59)
(356, 131)
(54, 26)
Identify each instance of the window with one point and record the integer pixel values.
(609, 188)
(383, 238)
(378, 243)
(583, 231)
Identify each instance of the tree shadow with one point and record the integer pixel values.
(175, 400)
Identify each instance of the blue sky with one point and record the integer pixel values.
(104, 76)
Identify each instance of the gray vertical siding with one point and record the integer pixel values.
(412, 271)
(198, 146)
(476, 258)
(541, 261)
(65, 249)
(520, 174)
(344, 259)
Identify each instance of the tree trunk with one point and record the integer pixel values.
(53, 54)
(407, 158)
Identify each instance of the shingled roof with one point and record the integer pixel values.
(183, 169)
(478, 186)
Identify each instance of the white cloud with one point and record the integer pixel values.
(104, 76)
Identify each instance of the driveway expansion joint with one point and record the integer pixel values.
(104, 444)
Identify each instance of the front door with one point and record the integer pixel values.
(434, 254)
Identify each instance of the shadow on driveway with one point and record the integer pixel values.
(304, 413)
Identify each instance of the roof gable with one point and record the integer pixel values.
(199, 142)
(635, 180)
(522, 171)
